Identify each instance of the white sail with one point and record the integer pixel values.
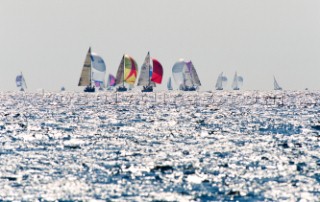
(276, 85)
(85, 78)
(237, 82)
(193, 74)
(169, 84)
(145, 73)
(221, 81)
(98, 70)
(177, 70)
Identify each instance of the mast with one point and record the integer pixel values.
(124, 64)
(90, 81)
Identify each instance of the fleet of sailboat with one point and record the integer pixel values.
(185, 75)
(93, 72)
(21, 82)
(221, 81)
(93, 75)
(237, 82)
(127, 73)
(150, 74)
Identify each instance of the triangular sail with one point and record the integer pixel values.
(85, 78)
(157, 71)
(219, 82)
(276, 85)
(120, 73)
(177, 70)
(144, 78)
(237, 82)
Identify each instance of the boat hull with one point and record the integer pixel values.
(122, 89)
(90, 89)
(147, 89)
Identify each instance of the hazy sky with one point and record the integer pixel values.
(48, 40)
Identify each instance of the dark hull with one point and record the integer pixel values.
(90, 89)
(147, 89)
(122, 89)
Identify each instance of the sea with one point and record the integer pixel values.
(160, 146)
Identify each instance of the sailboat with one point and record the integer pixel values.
(276, 86)
(127, 72)
(93, 72)
(185, 75)
(221, 81)
(21, 82)
(169, 84)
(151, 73)
(237, 82)
(111, 82)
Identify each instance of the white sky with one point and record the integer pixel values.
(48, 40)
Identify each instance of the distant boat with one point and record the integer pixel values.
(185, 75)
(111, 82)
(62, 89)
(93, 72)
(169, 84)
(21, 82)
(221, 81)
(127, 73)
(276, 86)
(237, 82)
(151, 73)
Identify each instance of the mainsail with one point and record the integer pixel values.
(193, 74)
(275, 84)
(221, 81)
(85, 78)
(146, 71)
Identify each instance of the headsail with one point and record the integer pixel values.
(85, 78)
(98, 70)
(157, 71)
(130, 69)
(177, 72)
(120, 72)
(111, 81)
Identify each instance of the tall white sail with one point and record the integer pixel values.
(98, 70)
(145, 73)
(237, 82)
(85, 78)
(177, 72)
(221, 81)
(275, 84)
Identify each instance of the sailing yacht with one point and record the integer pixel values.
(151, 73)
(185, 75)
(127, 73)
(169, 84)
(237, 82)
(93, 72)
(21, 82)
(276, 86)
(111, 82)
(221, 81)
